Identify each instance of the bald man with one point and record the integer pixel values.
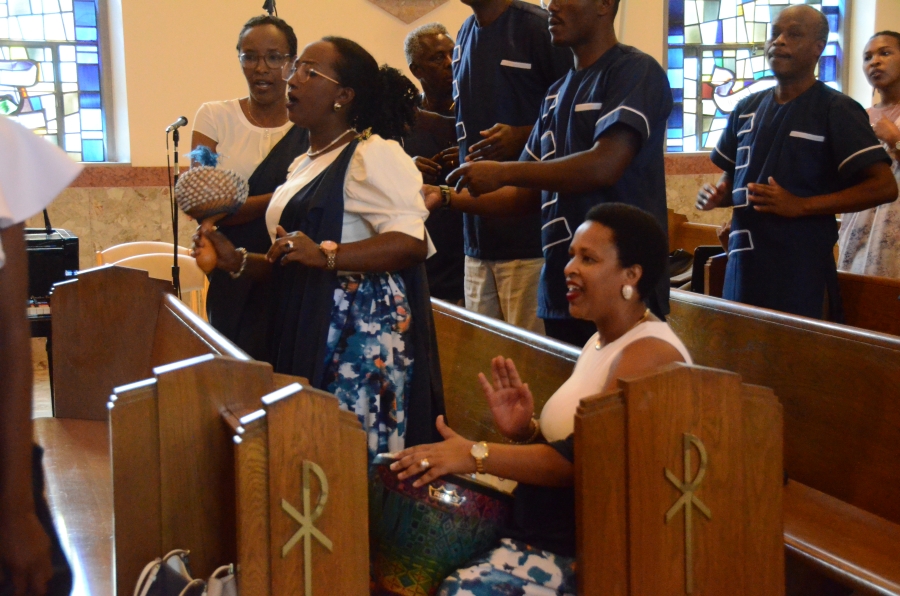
(793, 156)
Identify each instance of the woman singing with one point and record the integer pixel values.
(617, 256)
(352, 311)
(870, 240)
(254, 138)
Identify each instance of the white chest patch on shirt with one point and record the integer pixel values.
(587, 107)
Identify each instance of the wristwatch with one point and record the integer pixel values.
(480, 453)
(329, 248)
(445, 195)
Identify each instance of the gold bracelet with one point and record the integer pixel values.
(535, 426)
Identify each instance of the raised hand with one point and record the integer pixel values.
(509, 398)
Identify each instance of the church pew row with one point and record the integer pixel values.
(869, 302)
(838, 386)
(687, 235)
(197, 463)
(841, 428)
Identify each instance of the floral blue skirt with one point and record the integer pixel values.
(370, 361)
(514, 569)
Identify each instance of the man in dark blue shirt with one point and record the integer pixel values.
(599, 138)
(793, 157)
(503, 65)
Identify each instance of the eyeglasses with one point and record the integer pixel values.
(274, 60)
(303, 70)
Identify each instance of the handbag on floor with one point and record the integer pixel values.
(169, 576)
(222, 582)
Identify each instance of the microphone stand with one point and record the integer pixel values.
(176, 277)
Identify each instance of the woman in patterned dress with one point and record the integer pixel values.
(352, 312)
(869, 240)
(617, 256)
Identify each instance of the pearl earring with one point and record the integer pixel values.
(337, 107)
(627, 292)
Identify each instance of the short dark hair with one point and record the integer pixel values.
(639, 240)
(385, 100)
(893, 34)
(279, 24)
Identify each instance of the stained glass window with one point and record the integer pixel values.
(50, 73)
(716, 58)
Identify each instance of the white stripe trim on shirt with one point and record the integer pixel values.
(809, 137)
(646, 122)
(717, 150)
(859, 152)
(587, 107)
(535, 157)
(512, 64)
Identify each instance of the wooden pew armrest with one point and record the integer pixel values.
(850, 545)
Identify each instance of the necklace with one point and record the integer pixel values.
(311, 153)
(253, 120)
(644, 317)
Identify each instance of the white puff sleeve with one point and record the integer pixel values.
(383, 192)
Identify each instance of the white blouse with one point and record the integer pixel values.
(241, 145)
(382, 191)
(591, 375)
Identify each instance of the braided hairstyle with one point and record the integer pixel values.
(384, 101)
(893, 34)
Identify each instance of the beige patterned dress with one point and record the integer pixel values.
(869, 240)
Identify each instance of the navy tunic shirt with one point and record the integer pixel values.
(816, 144)
(501, 73)
(625, 86)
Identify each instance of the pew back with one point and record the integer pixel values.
(468, 341)
(838, 386)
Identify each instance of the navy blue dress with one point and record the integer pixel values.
(501, 73)
(816, 144)
(625, 86)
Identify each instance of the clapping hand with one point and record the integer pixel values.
(886, 131)
(709, 197)
(773, 198)
(509, 398)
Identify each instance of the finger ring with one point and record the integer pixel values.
(424, 463)
(289, 245)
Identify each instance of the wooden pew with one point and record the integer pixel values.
(839, 388)
(842, 430)
(869, 302)
(688, 235)
(181, 477)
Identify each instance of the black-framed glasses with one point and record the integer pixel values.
(303, 71)
(274, 60)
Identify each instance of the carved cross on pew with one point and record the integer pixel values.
(307, 521)
(688, 501)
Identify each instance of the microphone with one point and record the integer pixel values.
(177, 124)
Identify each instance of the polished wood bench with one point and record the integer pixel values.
(839, 388)
(869, 302)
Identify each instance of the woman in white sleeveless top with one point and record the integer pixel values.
(617, 257)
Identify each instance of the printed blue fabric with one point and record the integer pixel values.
(369, 359)
(514, 569)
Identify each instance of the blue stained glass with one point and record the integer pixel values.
(676, 78)
(89, 77)
(832, 22)
(85, 33)
(87, 58)
(827, 68)
(36, 103)
(85, 14)
(719, 32)
(676, 40)
(90, 100)
(677, 94)
(92, 150)
(674, 149)
(676, 58)
(674, 133)
(676, 118)
(676, 12)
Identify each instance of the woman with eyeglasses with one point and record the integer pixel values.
(253, 137)
(352, 311)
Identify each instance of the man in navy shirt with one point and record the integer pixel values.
(599, 138)
(794, 156)
(502, 66)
